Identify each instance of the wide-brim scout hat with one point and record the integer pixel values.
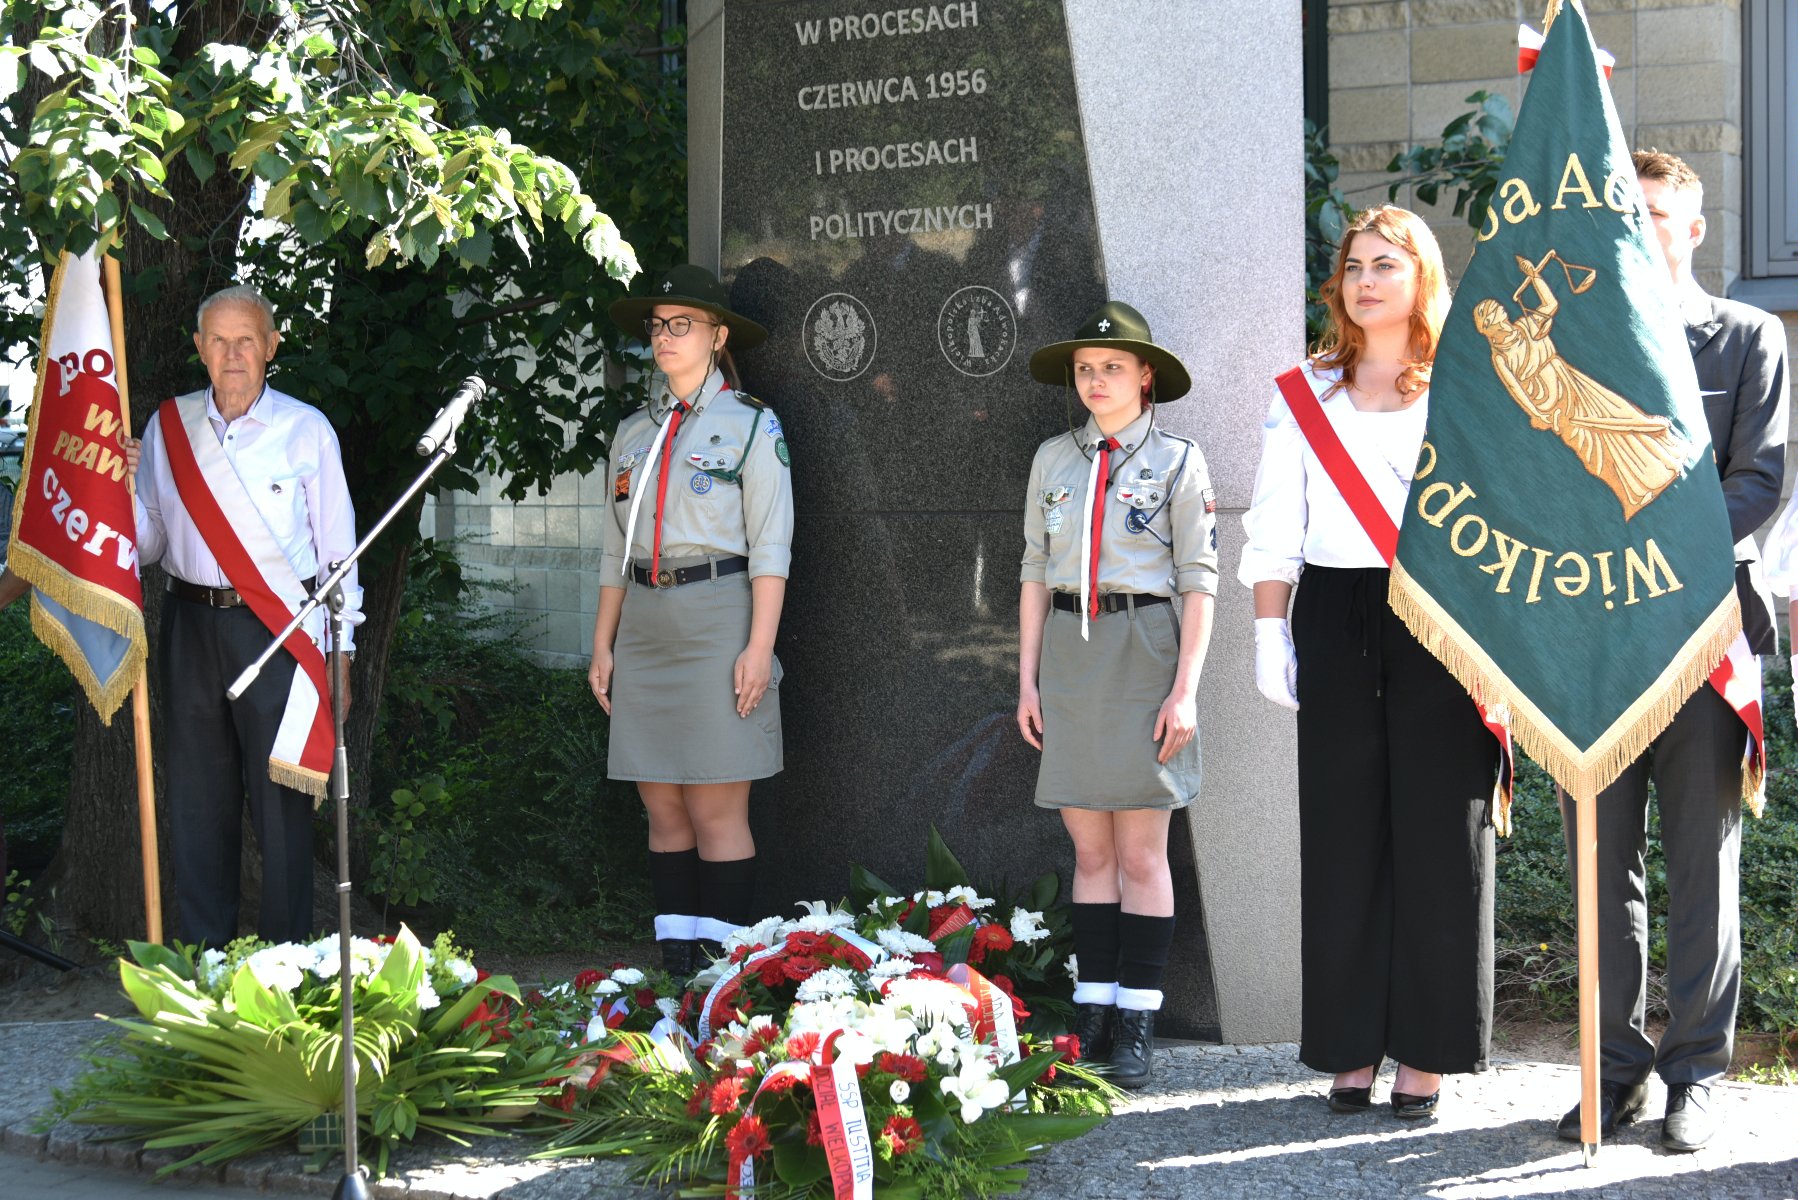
(1115, 326)
(692, 287)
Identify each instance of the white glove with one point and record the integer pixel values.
(1276, 665)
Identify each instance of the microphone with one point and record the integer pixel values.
(450, 416)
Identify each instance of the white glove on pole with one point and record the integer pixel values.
(1276, 664)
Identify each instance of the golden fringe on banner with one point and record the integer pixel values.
(1582, 773)
(298, 778)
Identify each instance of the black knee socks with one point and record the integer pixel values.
(1142, 959)
(726, 896)
(674, 883)
(1096, 952)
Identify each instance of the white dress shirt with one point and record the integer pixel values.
(287, 456)
(1297, 515)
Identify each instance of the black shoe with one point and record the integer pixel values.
(677, 958)
(1689, 1123)
(1413, 1108)
(1619, 1104)
(1132, 1054)
(1092, 1026)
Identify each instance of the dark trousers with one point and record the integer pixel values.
(1696, 766)
(1395, 839)
(215, 752)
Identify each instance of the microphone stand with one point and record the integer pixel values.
(329, 595)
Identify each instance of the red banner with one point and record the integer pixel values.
(74, 534)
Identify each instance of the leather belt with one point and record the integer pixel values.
(1113, 602)
(675, 576)
(211, 597)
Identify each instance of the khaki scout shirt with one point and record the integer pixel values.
(705, 513)
(1158, 534)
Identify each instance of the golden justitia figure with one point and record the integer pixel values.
(1637, 455)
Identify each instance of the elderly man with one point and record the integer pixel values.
(1696, 762)
(241, 496)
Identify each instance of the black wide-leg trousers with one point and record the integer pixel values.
(1395, 839)
(215, 753)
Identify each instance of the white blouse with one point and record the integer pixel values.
(1297, 515)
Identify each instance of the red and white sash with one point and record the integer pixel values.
(1382, 531)
(1738, 680)
(228, 520)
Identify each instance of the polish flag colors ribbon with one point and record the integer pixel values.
(843, 1120)
(259, 571)
(1529, 49)
(1738, 680)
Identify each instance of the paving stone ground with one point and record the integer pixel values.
(1222, 1122)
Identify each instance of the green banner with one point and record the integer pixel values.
(1566, 550)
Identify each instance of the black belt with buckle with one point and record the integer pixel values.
(209, 596)
(1113, 602)
(669, 577)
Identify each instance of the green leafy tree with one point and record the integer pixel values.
(409, 181)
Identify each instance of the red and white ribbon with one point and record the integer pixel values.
(1738, 680)
(1529, 49)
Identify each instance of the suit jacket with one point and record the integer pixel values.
(1740, 354)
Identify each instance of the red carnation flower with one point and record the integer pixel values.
(801, 968)
(587, 979)
(908, 1067)
(774, 972)
(645, 997)
(726, 1095)
(802, 1045)
(902, 1135)
(696, 1102)
(814, 1131)
(749, 1139)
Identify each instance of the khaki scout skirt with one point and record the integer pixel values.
(1100, 699)
(674, 713)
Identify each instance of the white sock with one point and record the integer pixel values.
(711, 929)
(674, 928)
(1140, 999)
(1096, 993)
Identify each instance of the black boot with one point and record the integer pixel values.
(1132, 1056)
(677, 958)
(1092, 1026)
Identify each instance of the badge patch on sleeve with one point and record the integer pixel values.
(772, 428)
(780, 451)
(1210, 498)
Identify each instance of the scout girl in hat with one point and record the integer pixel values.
(698, 532)
(1395, 767)
(1120, 567)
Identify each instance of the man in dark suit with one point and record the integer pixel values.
(1697, 762)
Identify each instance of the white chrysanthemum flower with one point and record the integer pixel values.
(278, 968)
(1027, 927)
(825, 985)
(822, 1016)
(821, 918)
(427, 996)
(963, 894)
(628, 976)
(930, 898)
(900, 1091)
(898, 941)
(931, 1001)
(462, 970)
(667, 1005)
(607, 987)
(976, 1089)
(890, 968)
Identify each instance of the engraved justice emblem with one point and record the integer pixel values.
(840, 336)
(977, 331)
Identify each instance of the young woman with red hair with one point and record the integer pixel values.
(1395, 768)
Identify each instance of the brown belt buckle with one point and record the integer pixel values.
(664, 578)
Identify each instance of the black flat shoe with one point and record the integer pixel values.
(1411, 1108)
(1351, 1100)
(1619, 1104)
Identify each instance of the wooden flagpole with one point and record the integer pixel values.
(140, 691)
(1585, 873)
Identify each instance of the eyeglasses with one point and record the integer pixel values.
(676, 326)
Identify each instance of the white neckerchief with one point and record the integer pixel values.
(655, 456)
